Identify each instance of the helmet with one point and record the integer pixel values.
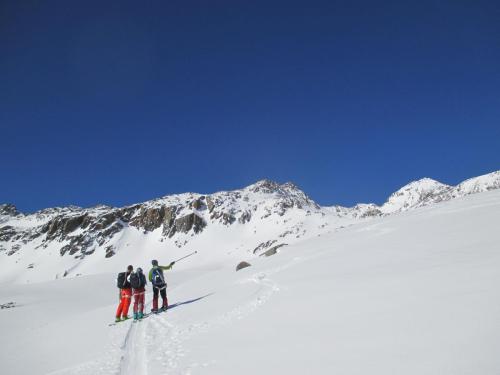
(139, 270)
(130, 268)
(154, 262)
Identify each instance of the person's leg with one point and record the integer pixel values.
(155, 299)
(126, 304)
(136, 295)
(141, 304)
(164, 298)
(141, 301)
(120, 306)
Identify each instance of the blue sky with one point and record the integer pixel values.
(120, 102)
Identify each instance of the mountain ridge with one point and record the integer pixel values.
(257, 220)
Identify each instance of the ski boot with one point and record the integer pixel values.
(117, 320)
(140, 315)
(136, 316)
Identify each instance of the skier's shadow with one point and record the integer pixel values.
(188, 302)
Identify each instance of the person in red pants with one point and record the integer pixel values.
(125, 294)
(138, 282)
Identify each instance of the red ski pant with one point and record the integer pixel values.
(138, 300)
(125, 296)
(163, 292)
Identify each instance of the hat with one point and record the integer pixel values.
(154, 262)
(139, 269)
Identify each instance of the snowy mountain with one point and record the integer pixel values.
(409, 293)
(423, 192)
(416, 194)
(243, 224)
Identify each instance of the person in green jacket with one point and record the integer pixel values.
(159, 285)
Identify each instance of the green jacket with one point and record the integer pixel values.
(150, 276)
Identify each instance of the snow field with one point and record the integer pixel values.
(413, 293)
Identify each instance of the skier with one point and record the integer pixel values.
(125, 294)
(138, 282)
(159, 285)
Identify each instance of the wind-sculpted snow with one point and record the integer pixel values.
(235, 223)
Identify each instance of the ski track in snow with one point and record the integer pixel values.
(134, 359)
(157, 344)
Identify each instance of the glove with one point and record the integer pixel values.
(172, 263)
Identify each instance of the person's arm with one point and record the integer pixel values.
(167, 267)
(150, 276)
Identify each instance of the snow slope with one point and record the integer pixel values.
(228, 226)
(413, 293)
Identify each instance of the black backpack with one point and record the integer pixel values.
(137, 280)
(121, 280)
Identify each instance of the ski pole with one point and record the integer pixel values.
(185, 256)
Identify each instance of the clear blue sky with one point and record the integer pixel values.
(119, 102)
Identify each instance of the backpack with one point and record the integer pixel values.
(137, 280)
(157, 278)
(121, 280)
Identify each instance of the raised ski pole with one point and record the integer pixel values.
(184, 257)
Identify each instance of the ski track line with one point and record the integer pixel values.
(134, 359)
(159, 342)
(167, 349)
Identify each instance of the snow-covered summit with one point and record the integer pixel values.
(415, 194)
(490, 181)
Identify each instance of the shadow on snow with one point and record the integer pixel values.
(188, 302)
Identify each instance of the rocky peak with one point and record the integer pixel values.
(264, 186)
(8, 210)
(289, 193)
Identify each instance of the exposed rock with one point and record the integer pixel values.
(126, 214)
(198, 204)
(109, 233)
(169, 216)
(210, 204)
(245, 217)
(371, 213)
(7, 305)
(105, 220)
(265, 186)
(110, 251)
(9, 210)
(264, 245)
(72, 223)
(149, 219)
(242, 265)
(188, 222)
(6, 233)
(227, 218)
(273, 250)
